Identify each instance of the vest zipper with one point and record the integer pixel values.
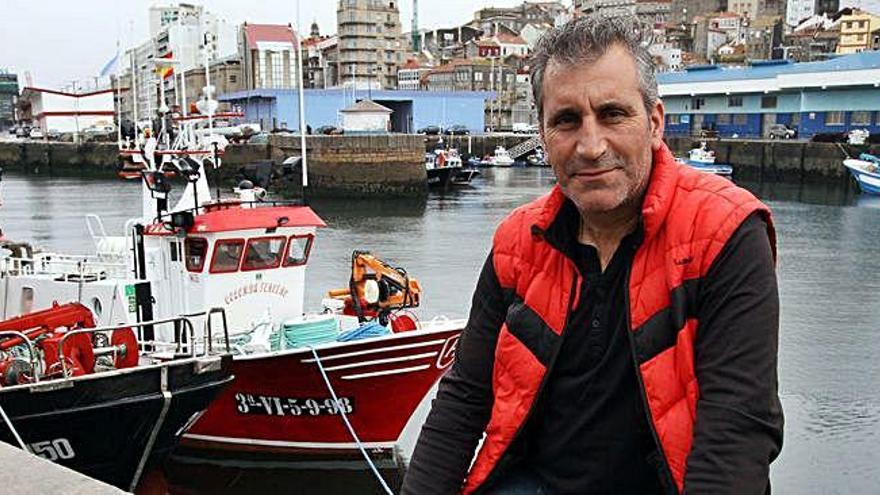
(505, 456)
(669, 482)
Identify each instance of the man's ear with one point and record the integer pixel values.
(658, 124)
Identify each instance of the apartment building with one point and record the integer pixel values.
(370, 43)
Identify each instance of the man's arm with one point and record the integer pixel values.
(461, 410)
(738, 430)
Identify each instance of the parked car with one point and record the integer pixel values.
(431, 130)
(259, 138)
(457, 130)
(36, 133)
(829, 137)
(99, 132)
(781, 131)
(23, 132)
(329, 130)
(53, 135)
(523, 128)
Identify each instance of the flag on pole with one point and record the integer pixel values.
(165, 71)
(110, 66)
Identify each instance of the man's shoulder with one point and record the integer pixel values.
(707, 195)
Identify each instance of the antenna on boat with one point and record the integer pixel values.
(302, 115)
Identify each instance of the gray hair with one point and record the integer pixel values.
(586, 39)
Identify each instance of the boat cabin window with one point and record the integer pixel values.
(195, 249)
(298, 250)
(263, 252)
(227, 255)
(27, 300)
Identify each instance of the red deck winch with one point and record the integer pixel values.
(48, 331)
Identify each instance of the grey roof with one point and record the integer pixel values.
(367, 106)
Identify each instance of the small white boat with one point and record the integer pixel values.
(501, 158)
(703, 159)
(866, 171)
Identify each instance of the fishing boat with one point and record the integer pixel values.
(104, 401)
(866, 171)
(342, 378)
(442, 167)
(703, 159)
(501, 158)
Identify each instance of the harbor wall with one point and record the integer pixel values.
(393, 165)
(768, 160)
(348, 166)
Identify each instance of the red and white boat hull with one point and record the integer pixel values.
(279, 401)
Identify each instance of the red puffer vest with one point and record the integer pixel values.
(688, 216)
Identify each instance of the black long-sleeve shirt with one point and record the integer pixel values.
(738, 430)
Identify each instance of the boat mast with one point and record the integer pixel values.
(302, 115)
(118, 101)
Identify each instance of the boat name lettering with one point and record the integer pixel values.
(254, 288)
(292, 406)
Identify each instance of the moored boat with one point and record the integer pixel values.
(501, 158)
(703, 159)
(442, 167)
(866, 171)
(102, 401)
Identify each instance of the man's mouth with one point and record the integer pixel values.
(592, 173)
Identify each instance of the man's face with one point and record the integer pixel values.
(597, 134)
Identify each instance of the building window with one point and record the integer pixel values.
(795, 119)
(740, 119)
(697, 103)
(478, 76)
(768, 102)
(723, 119)
(834, 118)
(860, 118)
(674, 119)
(734, 101)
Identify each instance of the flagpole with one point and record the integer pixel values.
(118, 101)
(302, 116)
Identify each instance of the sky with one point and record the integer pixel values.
(59, 41)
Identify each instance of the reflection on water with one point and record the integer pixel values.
(829, 272)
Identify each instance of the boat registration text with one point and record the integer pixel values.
(292, 406)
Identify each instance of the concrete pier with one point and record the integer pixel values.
(26, 473)
(347, 166)
(393, 165)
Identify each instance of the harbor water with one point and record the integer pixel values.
(829, 273)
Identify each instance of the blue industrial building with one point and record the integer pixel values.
(412, 110)
(835, 95)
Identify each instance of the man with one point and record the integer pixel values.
(623, 332)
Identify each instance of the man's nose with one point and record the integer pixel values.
(592, 142)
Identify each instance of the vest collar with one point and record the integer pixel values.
(655, 205)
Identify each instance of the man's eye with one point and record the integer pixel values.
(614, 113)
(566, 119)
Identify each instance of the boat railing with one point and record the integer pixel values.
(68, 268)
(30, 346)
(189, 348)
(228, 205)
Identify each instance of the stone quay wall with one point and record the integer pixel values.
(778, 161)
(360, 166)
(393, 165)
(348, 166)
